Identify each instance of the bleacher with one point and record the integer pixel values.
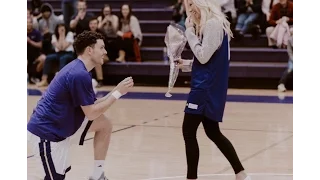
(250, 59)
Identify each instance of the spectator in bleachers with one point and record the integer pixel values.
(62, 41)
(80, 21)
(34, 45)
(179, 13)
(35, 7)
(228, 8)
(266, 12)
(47, 24)
(93, 24)
(69, 8)
(267, 7)
(281, 21)
(130, 32)
(289, 70)
(108, 24)
(248, 13)
(49, 20)
(35, 23)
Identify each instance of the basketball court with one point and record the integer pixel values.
(147, 141)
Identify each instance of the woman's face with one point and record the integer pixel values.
(62, 30)
(106, 11)
(125, 10)
(194, 11)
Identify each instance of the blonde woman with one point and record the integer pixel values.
(208, 33)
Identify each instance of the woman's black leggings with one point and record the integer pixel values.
(190, 125)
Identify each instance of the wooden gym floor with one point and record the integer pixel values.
(147, 142)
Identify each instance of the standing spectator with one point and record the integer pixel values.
(289, 70)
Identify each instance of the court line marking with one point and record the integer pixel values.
(212, 175)
(226, 129)
(275, 99)
(128, 127)
(257, 153)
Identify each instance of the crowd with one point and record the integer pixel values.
(50, 37)
(256, 17)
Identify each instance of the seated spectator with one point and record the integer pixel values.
(266, 11)
(130, 32)
(49, 20)
(108, 24)
(62, 41)
(267, 6)
(93, 24)
(34, 45)
(228, 8)
(248, 12)
(281, 22)
(289, 70)
(80, 21)
(47, 47)
(179, 13)
(35, 23)
(35, 8)
(69, 8)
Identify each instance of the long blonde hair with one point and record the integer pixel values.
(208, 10)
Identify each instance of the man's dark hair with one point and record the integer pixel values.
(93, 18)
(85, 39)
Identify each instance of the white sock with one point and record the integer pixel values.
(97, 168)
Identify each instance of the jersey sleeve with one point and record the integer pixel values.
(80, 86)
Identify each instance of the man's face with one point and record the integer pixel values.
(82, 6)
(29, 24)
(46, 14)
(28, 13)
(93, 25)
(98, 52)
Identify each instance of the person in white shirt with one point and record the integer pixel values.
(62, 42)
